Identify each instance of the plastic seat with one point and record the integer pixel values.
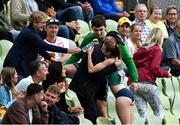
(175, 109)
(111, 110)
(72, 98)
(167, 87)
(169, 119)
(84, 27)
(84, 121)
(111, 25)
(69, 101)
(104, 121)
(5, 46)
(153, 120)
(72, 44)
(8, 10)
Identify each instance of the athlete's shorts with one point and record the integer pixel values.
(125, 92)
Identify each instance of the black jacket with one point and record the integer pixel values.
(26, 48)
(87, 84)
(56, 116)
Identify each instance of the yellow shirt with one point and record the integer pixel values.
(160, 25)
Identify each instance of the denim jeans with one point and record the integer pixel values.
(14, 33)
(88, 15)
(74, 13)
(63, 31)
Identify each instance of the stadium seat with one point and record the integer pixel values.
(111, 110)
(162, 90)
(138, 120)
(169, 119)
(8, 11)
(84, 121)
(166, 101)
(84, 27)
(175, 110)
(104, 121)
(72, 44)
(153, 120)
(5, 46)
(69, 100)
(111, 25)
(167, 87)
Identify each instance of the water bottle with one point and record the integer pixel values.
(85, 48)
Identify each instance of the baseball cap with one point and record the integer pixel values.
(53, 21)
(123, 20)
(116, 36)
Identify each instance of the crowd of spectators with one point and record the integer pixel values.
(33, 79)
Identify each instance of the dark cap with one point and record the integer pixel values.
(116, 36)
(53, 21)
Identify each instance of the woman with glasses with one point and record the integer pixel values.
(171, 17)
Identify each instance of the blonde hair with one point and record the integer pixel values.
(54, 89)
(155, 37)
(37, 17)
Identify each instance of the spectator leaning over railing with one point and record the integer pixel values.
(29, 44)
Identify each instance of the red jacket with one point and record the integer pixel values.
(147, 60)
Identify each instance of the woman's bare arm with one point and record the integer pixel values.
(98, 67)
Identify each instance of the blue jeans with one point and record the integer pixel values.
(74, 13)
(63, 31)
(88, 15)
(14, 33)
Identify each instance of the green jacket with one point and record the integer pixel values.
(77, 56)
(124, 52)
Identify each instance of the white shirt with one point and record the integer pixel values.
(30, 115)
(132, 49)
(24, 83)
(61, 42)
(32, 5)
